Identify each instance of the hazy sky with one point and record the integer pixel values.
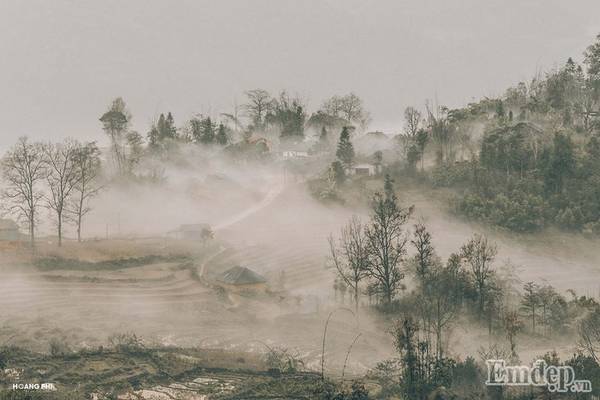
(63, 61)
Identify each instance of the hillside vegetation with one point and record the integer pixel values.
(525, 160)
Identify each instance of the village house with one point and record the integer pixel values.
(241, 279)
(292, 154)
(365, 169)
(292, 151)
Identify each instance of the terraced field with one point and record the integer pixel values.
(170, 301)
(166, 303)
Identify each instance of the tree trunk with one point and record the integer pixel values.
(59, 229)
(79, 218)
(388, 298)
(31, 232)
(481, 301)
(438, 332)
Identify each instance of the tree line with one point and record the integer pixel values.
(399, 270)
(522, 161)
(61, 177)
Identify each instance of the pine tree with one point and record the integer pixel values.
(345, 149)
(336, 173)
(161, 127)
(222, 138)
(207, 131)
(153, 137)
(530, 302)
(170, 129)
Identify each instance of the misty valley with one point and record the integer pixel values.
(282, 250)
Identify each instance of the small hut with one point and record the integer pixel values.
(241, 279)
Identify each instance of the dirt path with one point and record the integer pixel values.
(274, 191)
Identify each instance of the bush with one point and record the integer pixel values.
(58, 347)
(127, 343)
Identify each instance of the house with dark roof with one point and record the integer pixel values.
(241, 279)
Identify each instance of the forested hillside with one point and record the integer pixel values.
(525, 160)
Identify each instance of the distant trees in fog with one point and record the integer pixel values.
(524, 160)
(115, 123)
(64, 177)
(87, 168)
(386, 242)
(348, 107)
(345, 150)
(350, 256)
(376, 250)
(23, 170)
(60, 176)
(467, 288)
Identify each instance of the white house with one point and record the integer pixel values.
(365, 169)
(293, 154)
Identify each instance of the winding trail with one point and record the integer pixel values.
(271, 195)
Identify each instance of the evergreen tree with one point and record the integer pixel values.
(170, 129)
(345, 149)
(592, 60)
(221, 137)
(153, 137)
(530, 302)
(422, 139)
(207, 131)
(161, 127)
(337, 173)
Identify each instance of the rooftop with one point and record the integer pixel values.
(240, 276)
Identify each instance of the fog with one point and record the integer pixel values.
(64, 61)
(269, 223)
(137, 272)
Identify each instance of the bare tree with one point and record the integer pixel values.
(23, 170)
(412, 118)
(441, 131)
(62, 177)
(445, 298)
(512, 326)
(258, 105)
(350, 107)
(480, 254)
(351, 256)
(234, 118)
(425, 258)
(589, 334)
(386, 241)
(87, 165)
